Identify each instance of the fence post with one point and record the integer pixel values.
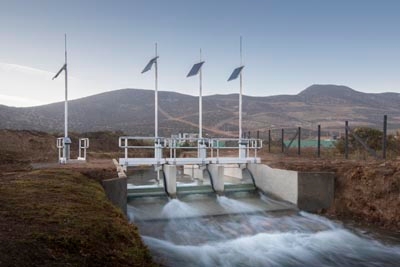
(346, 141)
(283, 143)
(248, 135)
(319, 141)
(269, 141)
(384, 138)
(299, 142)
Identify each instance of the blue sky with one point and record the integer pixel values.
(287, 46)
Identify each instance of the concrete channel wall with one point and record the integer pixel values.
(233, 170)
(316, 190)
(281, 184)
(194, 171)
(117, 192)
(309, 191)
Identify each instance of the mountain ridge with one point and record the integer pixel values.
(132, 111)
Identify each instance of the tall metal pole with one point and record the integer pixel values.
(66, 139)
(66, 91)
(156, 97)
(157, 146)
(241, 91)
(201, 103)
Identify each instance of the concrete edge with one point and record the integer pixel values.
(316, 190)
(117, 192)
(309, 191)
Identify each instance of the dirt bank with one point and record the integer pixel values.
(63, 218)
(365, 191)
(20, 148)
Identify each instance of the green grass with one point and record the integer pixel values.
(62, 218)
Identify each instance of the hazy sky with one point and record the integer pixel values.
(287, 46)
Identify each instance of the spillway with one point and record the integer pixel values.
(250, 229)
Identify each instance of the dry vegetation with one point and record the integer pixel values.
(62, 218)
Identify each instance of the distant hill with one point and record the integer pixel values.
(132, 111)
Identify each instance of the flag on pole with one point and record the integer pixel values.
(150, 64)
(195, 69)
(64, 67)
(235, 73)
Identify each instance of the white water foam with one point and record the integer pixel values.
(236, 206)
(320, 219)
(178, 209)
(290, 238)
(268, 200)
(337, 247)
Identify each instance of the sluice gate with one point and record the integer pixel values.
(204, 160)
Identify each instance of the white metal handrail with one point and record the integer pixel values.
(203, 146)
(83, 146)
(247, 144)
(60, 146)
(123, 142)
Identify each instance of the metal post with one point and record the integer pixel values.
(299, 141)
(240, 95)
(66, 140)
(283, 143)
(157, 145)
(346, 141)
(201, 151)
(66, 91)
(126, 147)
(200, 103)
(384, 138)
(156, 97)
(319, 141)
(269, 140)
(242, 148)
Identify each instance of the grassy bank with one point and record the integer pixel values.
(62, 218)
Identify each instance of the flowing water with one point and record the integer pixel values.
(248, 229)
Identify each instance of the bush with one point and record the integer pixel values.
(370, 136)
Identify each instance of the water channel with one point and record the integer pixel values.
(250, 229)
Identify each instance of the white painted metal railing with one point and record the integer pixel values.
(60, 146)
(156, 143)
(180, 144)
(83, 146)
(247, 148)
(208, 150)
(63, 146)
